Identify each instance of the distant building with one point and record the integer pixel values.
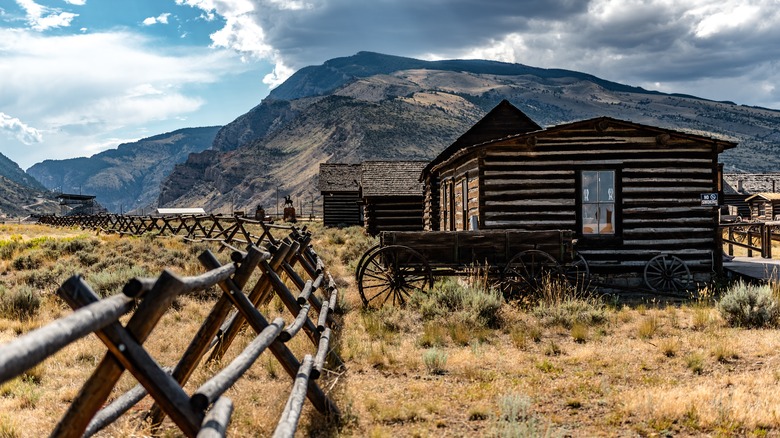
(392, 195)
(738, 187)
(76, 204)
(340, 188)
(195, 211)
(764, 206)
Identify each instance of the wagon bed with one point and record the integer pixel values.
(405, 262)
(454, 250)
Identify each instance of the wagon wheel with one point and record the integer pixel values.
(527, 271)
(665, 273)
(390, 275)
(362, 260)
(577, 272)
(740, 233)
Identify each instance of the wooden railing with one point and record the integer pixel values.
(753, 236)
(234, 230)
(206, 412)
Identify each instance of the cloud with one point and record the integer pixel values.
(76, 2)
(160, 19)
(633, 41)
(41, 18)
(24, 133)
(82, 88)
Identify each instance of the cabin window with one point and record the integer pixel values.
(597, 200)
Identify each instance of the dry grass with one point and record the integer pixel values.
(562, 367)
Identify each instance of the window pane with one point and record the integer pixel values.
(606, 186)
(606, 218)
(590, 222)
(590, 181)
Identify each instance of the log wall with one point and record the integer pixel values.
(341, 209)
(393, 213)
(532, 184)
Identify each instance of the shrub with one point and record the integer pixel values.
(749, 306)
(435, 361)
(560, 304)
(472, 303)
(516, 420)
(21, 302)
(30, 260)
(8, 249)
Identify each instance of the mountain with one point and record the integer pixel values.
(129, 176)
(21, 194)
(374, 106)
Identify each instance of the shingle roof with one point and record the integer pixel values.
(750, 183)
(765, 196)
(392, 178)
(336, 177)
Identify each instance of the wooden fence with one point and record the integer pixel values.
(234, 230)
(206, 412)
(753, 236)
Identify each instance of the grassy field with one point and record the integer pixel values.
(458, 361)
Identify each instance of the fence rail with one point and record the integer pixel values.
(206, 412)
(234, 230)
(753, 236)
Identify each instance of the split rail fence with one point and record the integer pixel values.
(206, 412)
(753, 236)
(234, 230)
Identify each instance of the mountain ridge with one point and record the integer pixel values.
(127, 177)
(373, 106)
(20, 193)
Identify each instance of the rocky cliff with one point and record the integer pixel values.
(373, 106)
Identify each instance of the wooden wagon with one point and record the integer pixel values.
(406, 262)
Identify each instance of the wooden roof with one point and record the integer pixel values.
(751, 183)
(337, 177)
(74, 197)
(502, 121)
(765, 197)
(392, 178)
(602, 124)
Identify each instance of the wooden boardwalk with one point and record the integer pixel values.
(756, 268)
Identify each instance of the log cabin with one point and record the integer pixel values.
(392, 195)
(764, 206)
(630, 192)
(340, 189)
(738, 187)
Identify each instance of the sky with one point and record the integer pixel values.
(81, 76)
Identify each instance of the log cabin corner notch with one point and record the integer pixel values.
(628, 191)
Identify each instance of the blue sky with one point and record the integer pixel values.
(81, 76)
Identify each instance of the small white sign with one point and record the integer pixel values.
(709, 199)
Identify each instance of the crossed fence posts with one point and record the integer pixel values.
(230, 229)
(207, 411)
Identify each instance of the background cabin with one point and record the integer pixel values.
(71, 203)
(764, 206)
(628, 191)
(392, 195)
(738, 187)
(340, 189)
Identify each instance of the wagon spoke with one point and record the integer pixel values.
(378, 277)
(387, 288)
